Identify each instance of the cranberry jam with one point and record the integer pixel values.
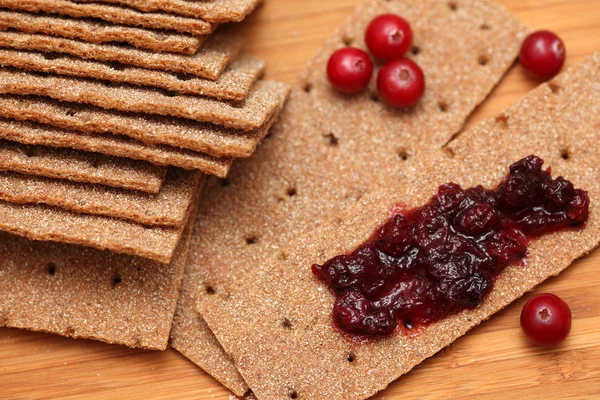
(427, 263)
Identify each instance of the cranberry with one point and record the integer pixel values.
(424, 264)
(388, 37)
(543, 54)
(401, 83)
(349, 70)
(546, 320)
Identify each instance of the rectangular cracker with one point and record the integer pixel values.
(211, 139)
(213, 10)
(115, 14)
(563, 114)
(167, 208)
(327, 150)
(81, 166)
(234, 83)
(85, 293)
(43, 223)
(97, 31)
(218, 51)
(258, 108)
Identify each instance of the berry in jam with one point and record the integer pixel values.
(427, 263)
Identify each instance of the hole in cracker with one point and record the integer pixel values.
(351, 357)
(332, 139)
(485, 26)
(51, 56)
(415, 50)
(453, 5)
(51, 269)
(554, 87)
(293, 394)
(375, 98)
(402, 153)
(71, 113)
(308, 87)
(565, 154)
(184, 77)
(286, 324)
(117, 280)
(483, 60)
(443, 106)
(348, 40)
(449, 151)
(117, 66)
(252, 239)
(291, 192)
(96, 162)
(502, 120)
(210, 290)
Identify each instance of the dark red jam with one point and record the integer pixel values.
(427, 263)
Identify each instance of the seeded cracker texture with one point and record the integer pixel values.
(118, 146)
(85, 293)
(327, 150)
(114, 14)
(95, 31)
(557, 117)
(167, 208)
(233, 84)
(259, 107)
(213, 10)
(214, 140)
(218, 51)
(81, 167)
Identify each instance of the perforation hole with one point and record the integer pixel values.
(286, 324)
(453, 5)
(117, 280)
(415, 50)
(252, 239)
(210, 290)
(351, 357)
(292, 191)
(485, 26)
(308, 87)
(71, 113)
(293, 394)
(565, 154)
(332, 140)
(348, 40)
(51, 269)
(403, 153)
(449, 152)
(443, 106)
(502, 120)
(554, 87)
(483, 60)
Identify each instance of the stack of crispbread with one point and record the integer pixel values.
(110, 119)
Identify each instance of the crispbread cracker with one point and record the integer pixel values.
(213, 10)
(214, 140)
(311, 357)
(100, 32)
(114, 14)
(81, 167)
(218, 51)
(43, 223)
(328, 149)
(233, 84)
(86, 293)
(167, 208)
(259, 107)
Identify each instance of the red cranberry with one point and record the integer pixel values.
(388, 37)
(546, 319)
(543, 54)
(349, 70)
(401, 83)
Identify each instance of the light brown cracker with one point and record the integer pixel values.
(167, 208)
(259, 107)
(86, 293)
(114, 14)
(212, 10)
(327, 150)
(214, 140)
(311, 358)
(80, 166)
(233, 84)
(218, 51)
(95, 31)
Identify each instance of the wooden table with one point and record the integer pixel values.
(494, 361)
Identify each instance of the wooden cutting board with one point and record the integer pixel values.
(494, 361)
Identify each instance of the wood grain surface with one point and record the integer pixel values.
(494, 361)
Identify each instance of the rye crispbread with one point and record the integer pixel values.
(306, 356)
(260, 105)
(233, 84)
(86, 293)
(95, 31)
(328, 149)
(43, 223)
(218, 51)
(212, 10)
(81, 166)
(167, 208)
(114, 14)
(214, 140)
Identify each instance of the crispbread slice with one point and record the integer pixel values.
(213, 10)
(167, 208)
(80, 166)
(259, 107)
(114, 14)
(214, 140)
(43, 223)
(86, 293)
(557, 117)
(218, 51)
(95, 31)
(233, 84)
(328, 149)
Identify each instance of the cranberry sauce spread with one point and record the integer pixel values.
(442, 258)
